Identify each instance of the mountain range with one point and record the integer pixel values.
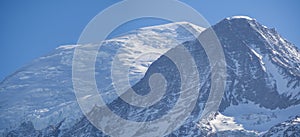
(261, 98)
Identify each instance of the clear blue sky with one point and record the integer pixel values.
(32, 28)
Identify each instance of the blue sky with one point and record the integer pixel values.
(32, 28)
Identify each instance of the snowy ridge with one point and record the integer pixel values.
(67, 47)
(223, 123)
(260, 58)
(288, 128)
(282, 55)
(253, 117)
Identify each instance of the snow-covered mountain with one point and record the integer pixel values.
(42, 91)
(262, 93)
(262, 87)
(263, 74)
(262, 83)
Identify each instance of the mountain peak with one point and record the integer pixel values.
(240, 17)
(238, 23)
